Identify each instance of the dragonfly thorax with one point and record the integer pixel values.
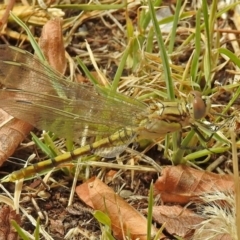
(163, 118)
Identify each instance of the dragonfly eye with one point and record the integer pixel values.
(200, 106)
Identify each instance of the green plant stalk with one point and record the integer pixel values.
(44, 148)
(150, 211)
(207, 55)
(195, 60)
(19, 230)
(165, 62)
(174, 27)
(204, 152)
(145, 17)
(32, 40)
(48, 140)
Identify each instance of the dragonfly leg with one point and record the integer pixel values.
(199, 134)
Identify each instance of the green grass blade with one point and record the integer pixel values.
(120, 68)
(19, 230)
(87, 72)
(174, 27)
(233, 57)
(145, 16)
(33, 42)
(197, 52)
(163, 53)
(102, 218)
(43, 146)
(165, 63)
(207, 55)
(236, 61)
(202, 153)
(36, 231)
(150, 212)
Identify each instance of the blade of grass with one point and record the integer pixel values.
(207, 55)
(236, 61)
(20, 231)
(150, 212)
(174, 27)
(145, 16)
(43, 146)
(32, 40)
(177, 157)
(197, 52)
(165, 63)
(149, 44)
(120, 68)
(202, 153)
(236, 180)
(209, 23)
(37, 230)
(87, 72)
(163, 53)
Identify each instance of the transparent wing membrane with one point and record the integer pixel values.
(66, 108)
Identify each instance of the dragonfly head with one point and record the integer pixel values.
(199, 106)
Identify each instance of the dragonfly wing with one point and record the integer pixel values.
(66, 117)
(21, 70)
(44, 98)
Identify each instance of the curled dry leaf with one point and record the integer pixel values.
(124, 218)
(52, 45)
(6, 229)
(14, 131)
(181, 184)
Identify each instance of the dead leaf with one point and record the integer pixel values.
(125, 219)
(52, 45)
(12, 132)
(7, 231)
(110, 176)
(181, 184)
(178, 220)
(57, 226)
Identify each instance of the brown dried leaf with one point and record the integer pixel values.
(52, 45)
(181, 184)
(178, 220)
(7, 232)
(12, 133)
(56, 226)
(125, 219)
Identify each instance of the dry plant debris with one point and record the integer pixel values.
(6, 229)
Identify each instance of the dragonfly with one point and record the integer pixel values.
(39, 95)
